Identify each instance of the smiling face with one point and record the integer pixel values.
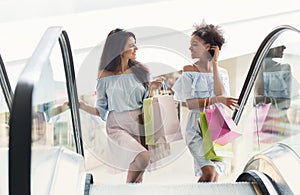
(130, 49)
(198, 47)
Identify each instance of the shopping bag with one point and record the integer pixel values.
(222, 128)
(276, 122)
(209, 151)
(159, 151)
(161, 121)
(260, 114)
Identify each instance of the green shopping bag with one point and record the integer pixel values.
(148, 121)
(210, 153)
(157, 151)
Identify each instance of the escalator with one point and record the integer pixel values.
(265, 172)
(275, 131)
(45, 154)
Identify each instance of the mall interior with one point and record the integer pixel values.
(49, 56)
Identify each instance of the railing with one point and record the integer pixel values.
(5, 85)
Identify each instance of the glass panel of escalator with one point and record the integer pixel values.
(41, 138)
(5, 102)
(52, 122)
(272, 112)
(4, 118)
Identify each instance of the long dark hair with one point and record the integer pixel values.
(111, 55)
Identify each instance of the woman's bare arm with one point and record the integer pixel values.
(196, 103)
(89, 109)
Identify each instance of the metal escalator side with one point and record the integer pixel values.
(39, 94)
(280, 163)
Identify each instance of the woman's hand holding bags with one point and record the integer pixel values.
(222, 128)
(161, 120)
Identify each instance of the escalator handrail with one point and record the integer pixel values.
(265, 184)
(270, 162)
(5, 85)
(255, 66)
(72, 89)
(21, 114)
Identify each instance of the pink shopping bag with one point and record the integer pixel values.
(161, 120)
(260, 114)
(276, 122)
(222, 128)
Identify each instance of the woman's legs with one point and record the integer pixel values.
(195, 144)
(137, 167)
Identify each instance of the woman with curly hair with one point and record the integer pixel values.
(201, 84)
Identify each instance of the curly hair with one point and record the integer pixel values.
(209, 33)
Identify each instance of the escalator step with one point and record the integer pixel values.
(150, 189)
